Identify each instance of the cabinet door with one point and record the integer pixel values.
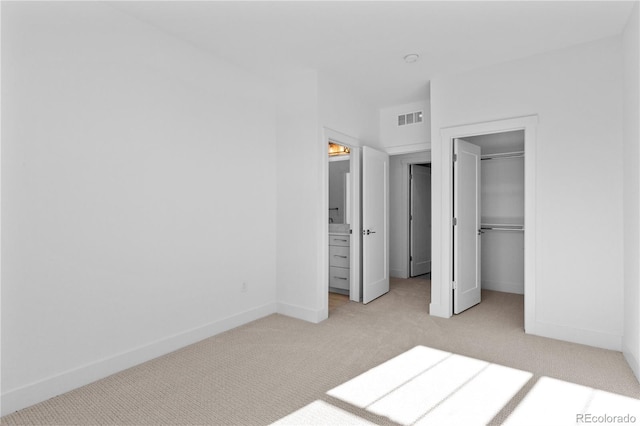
(339, 278)
(338, 240)
(339, 256)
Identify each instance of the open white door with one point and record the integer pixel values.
(466, 229)
(375, 224)
(420, 220)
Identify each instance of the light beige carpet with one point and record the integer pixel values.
(266, 370)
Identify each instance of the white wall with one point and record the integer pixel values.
(347, 117)
(136, 198)
(577, 94)
(631, 212)
(1, 132)
(410, 137)
(342, 109)
(307, 104)
(399, 210)
(300, 213)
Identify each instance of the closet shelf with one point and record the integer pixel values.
(498, 156)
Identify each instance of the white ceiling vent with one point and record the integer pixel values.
(410, 118)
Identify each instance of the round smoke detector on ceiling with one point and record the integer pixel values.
(411, 58)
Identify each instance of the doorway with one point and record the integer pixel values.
(488, 206)
(360, 247)
(442, 283)
(419, 219)
(343, 215)
(401, 200)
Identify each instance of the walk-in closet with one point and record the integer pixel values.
(502, 210)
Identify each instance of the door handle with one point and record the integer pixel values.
(368, 231)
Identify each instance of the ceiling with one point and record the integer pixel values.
(362, 44)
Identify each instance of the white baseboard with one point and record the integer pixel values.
(517, 288)
(398, 273)
(305, 314)
(25, 396)
(632, 361)
(598, 339)
(439, 310)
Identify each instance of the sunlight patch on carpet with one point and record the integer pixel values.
(429, 386)
(425, 386)
(321, 413)
(553, 401)
(376, 383)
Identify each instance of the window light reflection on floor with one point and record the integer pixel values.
(321, 413)
(557, 402)
(425, 386)
(428, 386)
(374, 384)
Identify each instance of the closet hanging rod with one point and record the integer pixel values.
(498, 156)
(497, 228)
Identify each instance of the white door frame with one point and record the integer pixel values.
(441, 285)
(330, 135)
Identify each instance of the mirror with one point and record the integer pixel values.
(339, 179)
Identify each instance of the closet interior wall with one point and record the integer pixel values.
(502, 211)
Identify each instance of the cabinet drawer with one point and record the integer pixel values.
(339, 240)
(339, 278)
(339, 256)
